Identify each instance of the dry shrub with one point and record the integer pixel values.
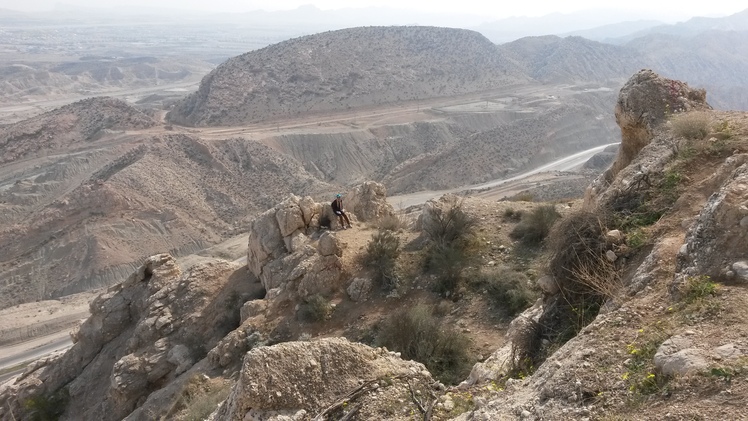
(393, 223)
(449, 224)
(200, 397)
(418, 335)
(693, 125)
(586, 279)
(451, 231)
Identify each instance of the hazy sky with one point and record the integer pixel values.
(494, 9)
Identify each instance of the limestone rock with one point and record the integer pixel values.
(677, 357)
(368, 202)
(309, 376)
(329, 245)
(741, 270)
(142, 334)
(548, 284)
(715, 240)
(359, 289)
(645, 102)
(614, 236)
(252, 308)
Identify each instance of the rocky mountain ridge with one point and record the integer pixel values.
(347, 68)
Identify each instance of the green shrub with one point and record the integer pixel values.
(536, 225)
(636, 239)
(693, 125)
(420, 336)
(316, 309)
(722, 130)
(699, 287)
(507, 289)
(447, 262)
(47, 407)
(381, 256)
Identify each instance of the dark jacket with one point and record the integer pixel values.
(337, 207)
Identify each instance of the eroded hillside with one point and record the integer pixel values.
(347, 68)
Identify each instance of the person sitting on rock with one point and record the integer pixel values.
(337, 207)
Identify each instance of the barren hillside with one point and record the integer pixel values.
(80, 220)
(348, 68)
(72, 125)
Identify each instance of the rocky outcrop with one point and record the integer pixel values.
(300, 380)
(644, 104)
(715, 242)
(368, 202)
(287, 246)
(142, 334)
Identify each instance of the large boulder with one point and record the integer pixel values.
(301, 379)
(368, 202)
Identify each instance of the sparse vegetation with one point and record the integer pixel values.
(381, 256)
(536, 225)
(200, 397)
(450, 230)
(316, 309)
(640, 376)
(450, 224)
(507, 289)
(392, 223)
(513, 215)
(47, 407)
(693, 125)
(418, 335)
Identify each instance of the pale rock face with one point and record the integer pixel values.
(329, 245)
(295, 376)
(677, 357)
(253, 308)
(368, 202)
(548, 284)
(716, 240)
(359, 289)
(741, 270)
(614, 236)
(142, 334)
(645, 102)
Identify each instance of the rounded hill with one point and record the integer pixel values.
(343, 69)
